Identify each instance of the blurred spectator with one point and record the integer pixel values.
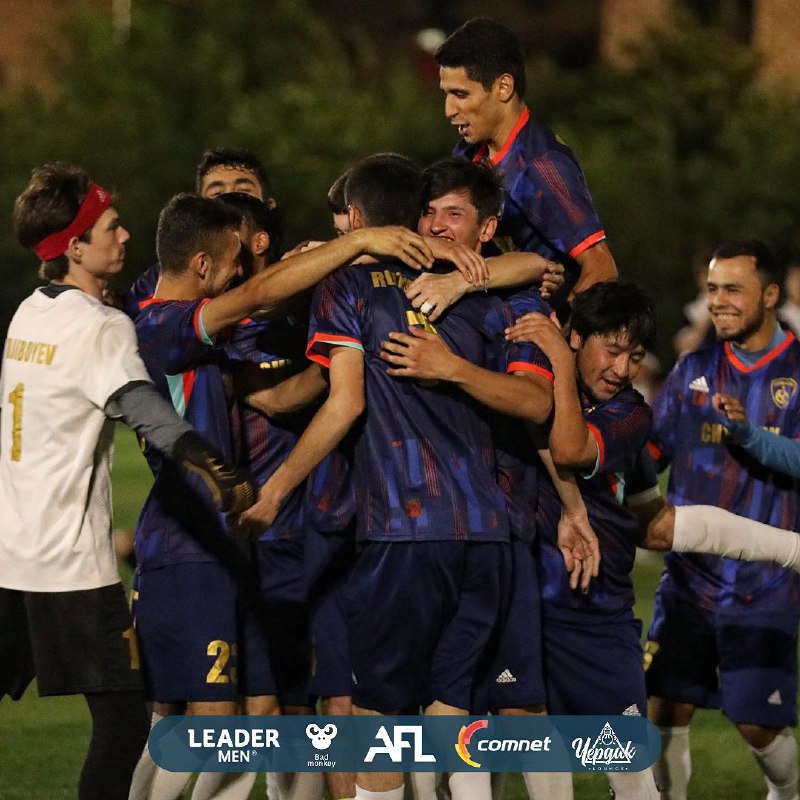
(789, 312)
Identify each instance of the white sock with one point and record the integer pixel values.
(423, 785)
(272, 786)
(145, 771)
(673, 768)
(708, 529)
(778, 762)
(471, 785)
(392, 794)
(300, 785)
(634, 785)
(223, 785)
(168, 785)
(548, 785)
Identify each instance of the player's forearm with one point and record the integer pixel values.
(565, 485)
(520, 396)
(511, 270)
(326, 430)
(291, 394)
(772, 450)
(571, 443)
(597, 265)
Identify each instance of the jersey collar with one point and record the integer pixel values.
(765, 359)
(501, 153)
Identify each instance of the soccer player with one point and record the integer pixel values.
(592, 650)
(427, 502)
(548, 208)
(185, 609)
(724, 633)
(70, 369)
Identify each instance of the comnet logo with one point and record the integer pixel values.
(495, 745)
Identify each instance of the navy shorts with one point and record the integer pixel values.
(330, 559)
(275, 641)
(594, 666)
(78, 642)
(420, 616)
(186, 621)
(513, 677)
(743, 663)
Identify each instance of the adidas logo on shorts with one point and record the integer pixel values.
(775, 698)
(505, 677)
(631, 711)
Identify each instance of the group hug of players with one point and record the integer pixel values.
(449, 488)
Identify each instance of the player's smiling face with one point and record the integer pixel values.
(736, 298)
(607, 363)
(104, 254)
(476, 112)
(453, 217)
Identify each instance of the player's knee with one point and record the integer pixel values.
(756, 736)
(668, 713)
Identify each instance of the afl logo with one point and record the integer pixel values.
(782, 391)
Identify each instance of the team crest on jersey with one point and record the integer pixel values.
(782, 391)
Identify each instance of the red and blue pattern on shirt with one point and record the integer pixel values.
(179, 521)
(620, 427)
(424, 463)
(707, 469)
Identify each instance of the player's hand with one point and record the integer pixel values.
(395, 241)
(261, 514)
(729, 407)
(420, 354)
(432, 294)
(469, 263)
(552, 279)
(580, 548)
(545, 333)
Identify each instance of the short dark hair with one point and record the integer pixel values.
(259, 216)
(49, 203)
(481, 181)
(767, 267)
(486, 50)
(614, 307)
(387, 188)
(189, 224)
(232, 157)
(336, 202)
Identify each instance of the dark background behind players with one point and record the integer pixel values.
(689, 144)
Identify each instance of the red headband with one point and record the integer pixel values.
(94, 204)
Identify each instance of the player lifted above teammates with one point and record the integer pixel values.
(548, 208)
(70, 369)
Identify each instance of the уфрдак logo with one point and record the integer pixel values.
(606, 751)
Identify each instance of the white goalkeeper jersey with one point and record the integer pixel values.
(64, 356)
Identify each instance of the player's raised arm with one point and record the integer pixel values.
(306, 269)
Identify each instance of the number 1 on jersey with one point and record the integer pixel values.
(15, 398)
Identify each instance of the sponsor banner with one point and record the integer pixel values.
(402, 744)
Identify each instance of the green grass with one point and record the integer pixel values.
(42, 742)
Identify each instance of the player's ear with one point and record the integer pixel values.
(74, 251)
(201, 263)
(488, 228)
(504, 87)
(575, 340)
(355, 217)
(259, 243)
(771, 294)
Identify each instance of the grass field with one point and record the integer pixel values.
(42, 742)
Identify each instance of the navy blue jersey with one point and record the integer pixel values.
(708, 469)
(179, 521)
(518, 464)
(278, 346)
(142, 290)
(424, 464)
(620, 426)
(548, 209)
